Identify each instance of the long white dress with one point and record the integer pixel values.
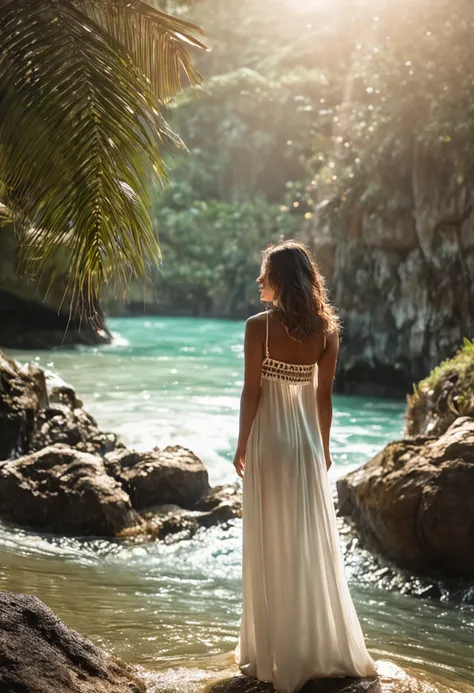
(298, 621)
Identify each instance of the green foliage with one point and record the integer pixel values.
(81, 133)
(410, 101)
(249, 133)
(448, 388)
(211, 253)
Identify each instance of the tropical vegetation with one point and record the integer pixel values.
(83, 84)
(314, 113)
(306, 112)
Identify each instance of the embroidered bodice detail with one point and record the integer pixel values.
(280, 370)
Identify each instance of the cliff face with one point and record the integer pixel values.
(35, 317)
(403, 281)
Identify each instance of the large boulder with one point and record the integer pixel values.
(40, 654)
(38, 409)
(173, 475)
(62, 490)
(414, 502)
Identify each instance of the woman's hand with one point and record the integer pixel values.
(327, 457)
(239, 463)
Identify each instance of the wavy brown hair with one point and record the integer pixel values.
(300, 290)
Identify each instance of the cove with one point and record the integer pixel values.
(177, 380)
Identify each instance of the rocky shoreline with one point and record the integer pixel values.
(61, 473)
(404, 516)
(410, 508)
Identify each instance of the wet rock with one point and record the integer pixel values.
(22, 395)
(226, 494)
(40, 654)
(244, 684)
(168, 523)
(60, 489)
(173, 475)
(391, 678)
(412, 502)
(221, 504)
(61, 424)
(172, 523)
(74, 478)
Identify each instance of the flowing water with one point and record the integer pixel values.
(175, 609)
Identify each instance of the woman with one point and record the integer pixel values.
(298, 622)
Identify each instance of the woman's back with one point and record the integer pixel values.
(284, 348)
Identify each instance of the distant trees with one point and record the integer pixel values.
(82, 86)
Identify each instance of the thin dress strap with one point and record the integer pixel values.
(267, 353)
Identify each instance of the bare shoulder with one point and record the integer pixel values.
(255, 329)
(257, 318)
(332, 340)
(256, 322)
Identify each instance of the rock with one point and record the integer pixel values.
(226, 494)
(173, 475)
(60, 424)
(37, 315)
(74, 478)
(400, 270)
(391, 678)
(171, 522)
(40, 654)
(221, 504)
(22, 394)
(446, 394)
(374, 571)
(38, 409)
(62, 490)
(244, 684)
(413, 502)
(167, 523)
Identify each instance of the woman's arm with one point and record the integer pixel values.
(326, 371)
(253, 354)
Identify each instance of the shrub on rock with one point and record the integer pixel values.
(446, 394)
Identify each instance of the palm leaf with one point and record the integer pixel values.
(81, 135)
(157, 42)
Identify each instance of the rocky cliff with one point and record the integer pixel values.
(401, 276)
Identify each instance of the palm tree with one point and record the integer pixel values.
(82, 86)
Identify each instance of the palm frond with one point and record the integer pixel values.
(157, 42)
(80, 142)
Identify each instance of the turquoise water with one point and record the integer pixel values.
(178, 380)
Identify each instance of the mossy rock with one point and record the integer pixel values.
(446, 394)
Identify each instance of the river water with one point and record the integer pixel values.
(175, 609)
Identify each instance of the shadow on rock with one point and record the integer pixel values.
(40, 653)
